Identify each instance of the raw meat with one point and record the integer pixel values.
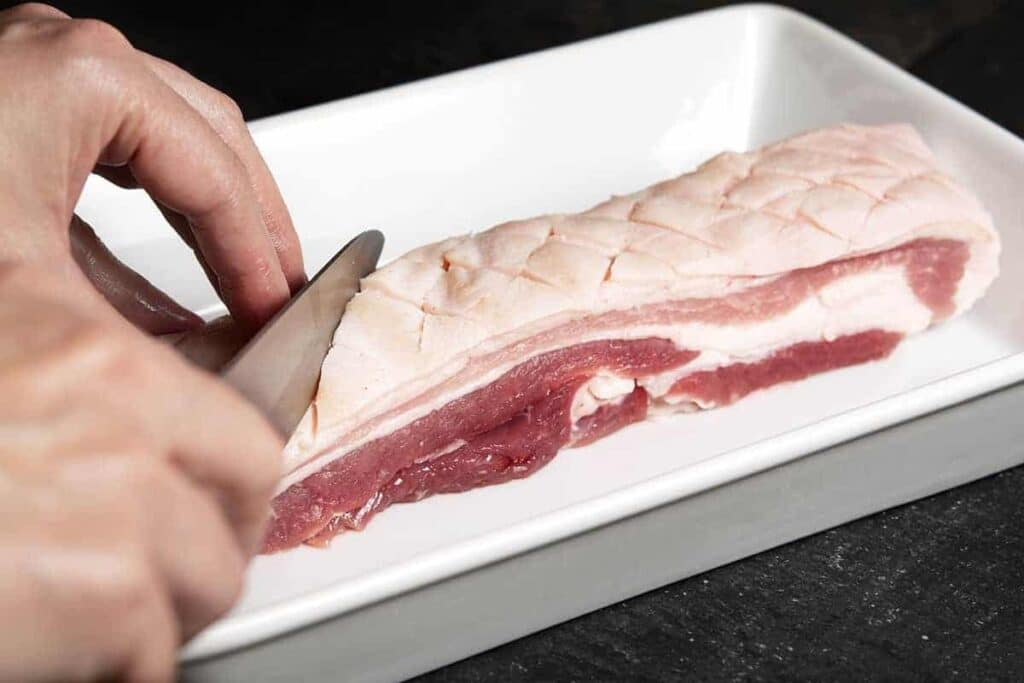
(509, 428)
(728, 383)
(473, 361)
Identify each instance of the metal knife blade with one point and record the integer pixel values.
(278, 370)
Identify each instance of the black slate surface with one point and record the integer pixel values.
(929, 591)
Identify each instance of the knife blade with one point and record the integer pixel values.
(279, 369)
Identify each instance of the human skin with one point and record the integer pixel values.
(135, 485)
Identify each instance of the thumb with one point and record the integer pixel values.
(132, 295)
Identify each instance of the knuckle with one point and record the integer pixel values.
(130, 446)
(262, 267)
(92, 55)
(119, 361)
(93, 347)
(22, 279)
(137, 585)
(95, 59)
(147, 478)
(35, 10)
(127, 490)
(64, 357)
(253, 270)
(92, 337)
(93, 36)
(278, 230)
(246, 274)
(226, 189)
(130, 362)
(237, 188)
(131, 588)
(123, 504)
(229, 108)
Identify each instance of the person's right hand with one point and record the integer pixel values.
(133, 489)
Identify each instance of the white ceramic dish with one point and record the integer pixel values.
(559, 131)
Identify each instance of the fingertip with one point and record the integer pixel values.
(171, 321)
(255, 298)
(191, 320)
(289, 250)
(297, 281)
(251, 317)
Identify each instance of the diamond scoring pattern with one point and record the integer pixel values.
(797, 203)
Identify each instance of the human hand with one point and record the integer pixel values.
(133, 489)
(77, 98)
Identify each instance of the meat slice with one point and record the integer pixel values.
(473, 361)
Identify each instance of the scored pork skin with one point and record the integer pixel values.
(842, 221)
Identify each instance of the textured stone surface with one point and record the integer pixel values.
(933, 590)
(929, 591)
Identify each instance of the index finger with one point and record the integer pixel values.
(226, 119)
(181, 161)
(119, 113)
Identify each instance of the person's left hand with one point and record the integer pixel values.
(76, 98)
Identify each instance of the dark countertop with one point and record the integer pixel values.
(932, 590)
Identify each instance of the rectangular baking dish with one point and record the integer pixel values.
(561, 130)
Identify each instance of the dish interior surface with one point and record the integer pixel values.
(559, 131)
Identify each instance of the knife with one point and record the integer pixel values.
(279, 369)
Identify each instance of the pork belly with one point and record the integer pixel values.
(473, 361)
